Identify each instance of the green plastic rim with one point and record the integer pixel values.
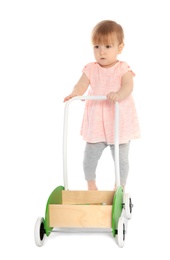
(117, 209)
(54, 198)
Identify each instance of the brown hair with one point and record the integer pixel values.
(105, 32)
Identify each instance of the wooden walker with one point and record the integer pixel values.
(99, 211)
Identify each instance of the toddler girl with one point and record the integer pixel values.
(114, 79)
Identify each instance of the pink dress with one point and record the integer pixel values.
(98, 119)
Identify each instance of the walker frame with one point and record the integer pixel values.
(77, 210)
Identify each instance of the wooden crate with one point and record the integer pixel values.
(82, 209)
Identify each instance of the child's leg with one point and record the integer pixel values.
(123, 160)
(91, 185)
(92, 154)
(124, 163)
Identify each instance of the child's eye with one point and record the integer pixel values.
(96, 46)
(108, 46)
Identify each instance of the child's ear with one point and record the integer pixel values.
(121, 47)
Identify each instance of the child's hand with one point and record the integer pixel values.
(113, 96)
(69, 97)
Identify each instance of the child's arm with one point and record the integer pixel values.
(80, 88)
(125, 90)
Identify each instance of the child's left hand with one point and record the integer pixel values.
(113, 96)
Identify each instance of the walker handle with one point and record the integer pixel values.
(65, 128)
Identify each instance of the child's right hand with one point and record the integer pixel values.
(69, 97)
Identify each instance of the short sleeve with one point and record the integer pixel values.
(87, 69)
(125, 68)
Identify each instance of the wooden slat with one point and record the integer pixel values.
(96, 216)
(87, 197)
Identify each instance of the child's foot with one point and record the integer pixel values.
(92, 185)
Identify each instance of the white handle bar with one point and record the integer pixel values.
(65, 128)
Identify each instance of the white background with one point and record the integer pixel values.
(43, 47)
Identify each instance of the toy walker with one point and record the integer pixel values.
(99, 211)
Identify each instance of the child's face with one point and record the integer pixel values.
(106, 55)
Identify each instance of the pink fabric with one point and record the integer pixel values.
(98, 120)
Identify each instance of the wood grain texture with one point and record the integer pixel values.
(96, 216)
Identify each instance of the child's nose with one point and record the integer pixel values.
(101, 50)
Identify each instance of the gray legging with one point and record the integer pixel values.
(92, 154)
